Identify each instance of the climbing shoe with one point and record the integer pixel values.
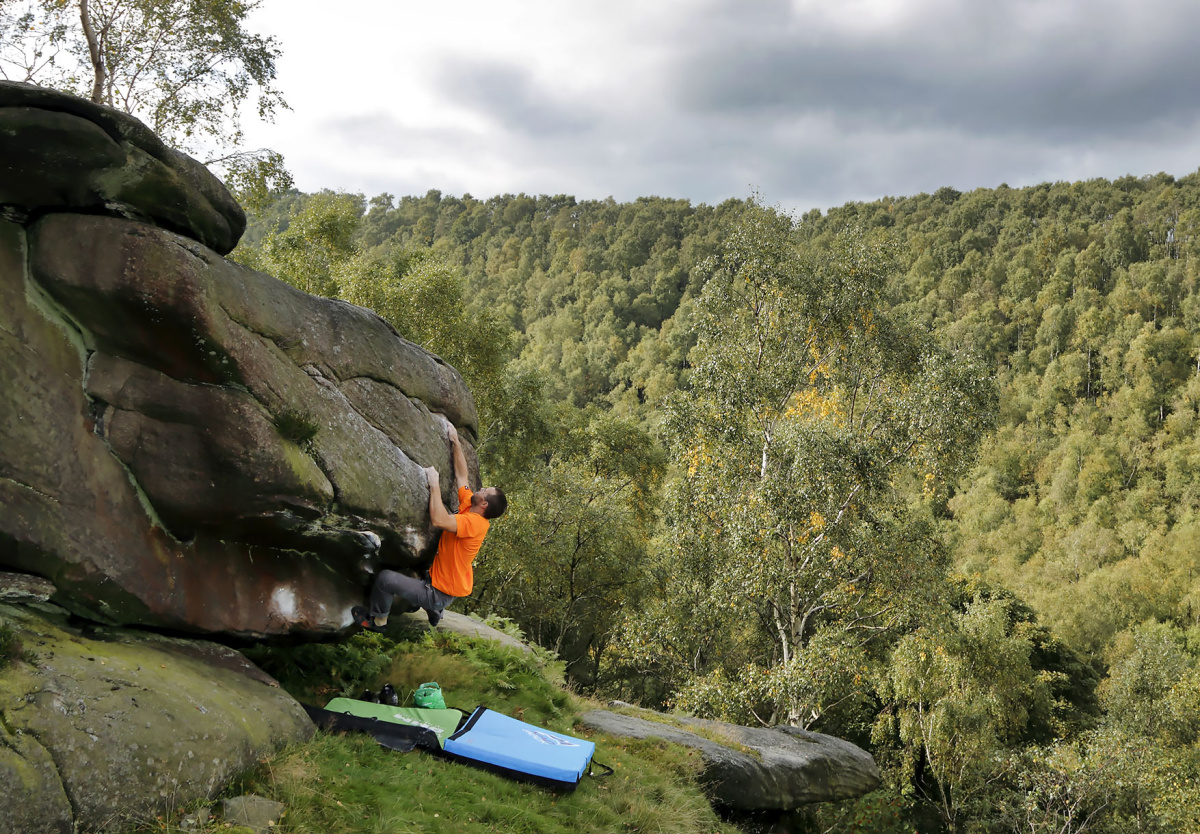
(370, 697)
(435, 617)
(388, 696)
(363, 619)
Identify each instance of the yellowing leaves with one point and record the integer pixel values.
(696, 458)
(868, 320)
(929, 487)
(811, 404)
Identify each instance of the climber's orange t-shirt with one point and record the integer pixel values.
(451, 572)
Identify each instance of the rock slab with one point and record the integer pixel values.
(755, 768)
(21, 587)
(111, 726)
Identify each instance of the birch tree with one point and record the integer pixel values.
(187, 68)
(813, 426)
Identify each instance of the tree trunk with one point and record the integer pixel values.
(94, 51)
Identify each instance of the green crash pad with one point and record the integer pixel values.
(442, 722)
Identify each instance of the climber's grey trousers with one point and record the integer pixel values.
(418, 592)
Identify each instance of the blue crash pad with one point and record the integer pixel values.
(518, 749)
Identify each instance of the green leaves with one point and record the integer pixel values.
(184, 67)
(820, 391)
(255, 177)
(811, 426)
(960, 696)
(572, 548)
(1153, 687)
(314, 247)
(828, 678)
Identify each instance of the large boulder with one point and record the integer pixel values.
(755, 768)
(102, 726)
(191, 444)
(60, 152)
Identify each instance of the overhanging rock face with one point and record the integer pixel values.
(190, 444)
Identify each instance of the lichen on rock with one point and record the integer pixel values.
(59, 152)
(111, 724)
(754, 768)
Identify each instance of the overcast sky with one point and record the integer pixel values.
(811, 103)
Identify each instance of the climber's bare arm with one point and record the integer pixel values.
(438, 515)
(460, 460)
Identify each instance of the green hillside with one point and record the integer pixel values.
(348, 784)
(918, 472)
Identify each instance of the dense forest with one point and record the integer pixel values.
(920, 472)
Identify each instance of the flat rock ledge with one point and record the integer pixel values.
(24, 588)
(467, 627)
(756, 768)
(253, 812)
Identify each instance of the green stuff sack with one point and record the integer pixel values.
(429, 696)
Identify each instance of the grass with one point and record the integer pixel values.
(347, 784)
(296, 427)
(11, 648)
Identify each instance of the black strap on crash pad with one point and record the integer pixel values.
(400, 737)
(608, 771)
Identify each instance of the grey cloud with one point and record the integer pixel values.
(1053, 69)
(511, 97)
(958, 94)
(383, 132)
(709, 158)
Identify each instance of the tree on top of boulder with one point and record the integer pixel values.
(184, 67)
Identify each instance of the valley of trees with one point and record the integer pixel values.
(923, 473)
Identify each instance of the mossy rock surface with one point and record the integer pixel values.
(61, 152)
(754, 768)
(32, 791)
(114, 725)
